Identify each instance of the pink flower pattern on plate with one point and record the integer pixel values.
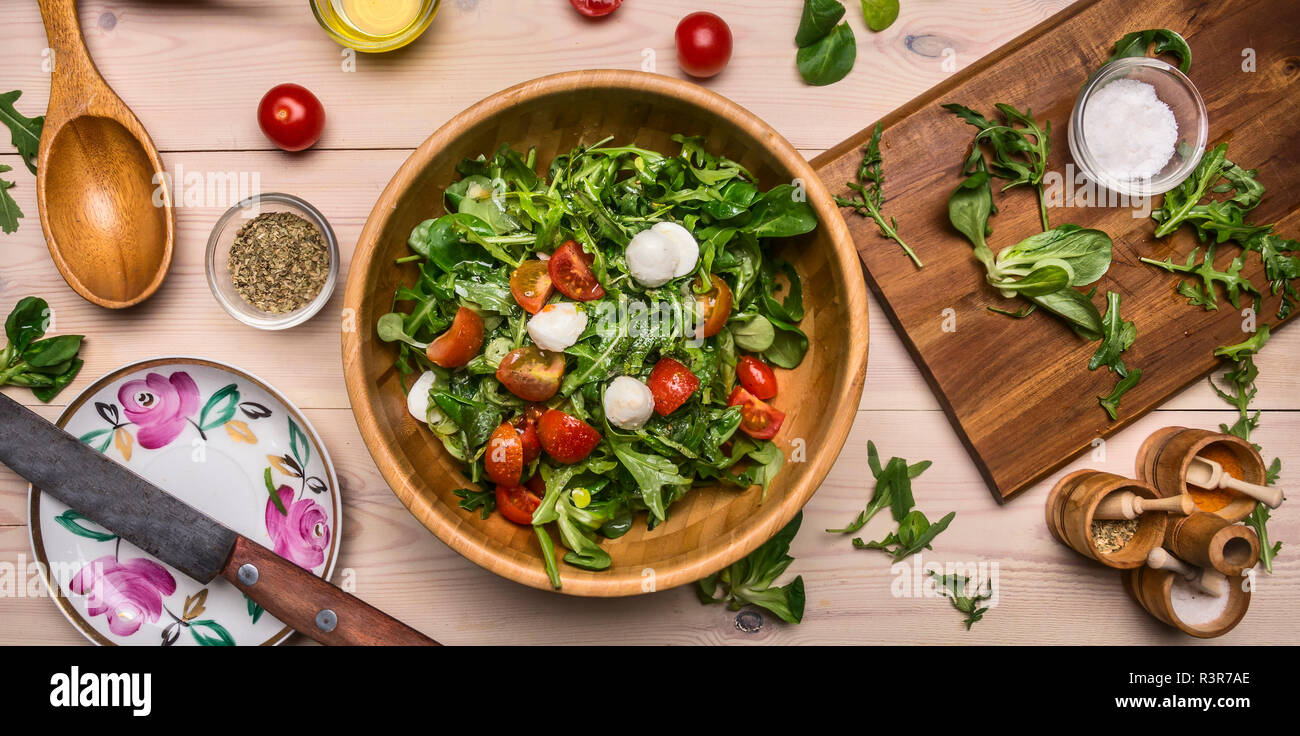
(125, 593)
(159, 406)
(302, 537)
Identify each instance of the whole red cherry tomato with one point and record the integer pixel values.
(757, 377)
(595, 8)
(291, 116)
(703, 44)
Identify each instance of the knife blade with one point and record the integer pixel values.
(162, 525)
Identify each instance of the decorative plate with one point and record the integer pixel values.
(222, 441)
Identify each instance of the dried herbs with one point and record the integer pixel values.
(278, 262)
(1111, 535)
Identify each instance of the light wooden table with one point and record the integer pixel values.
(194, 72)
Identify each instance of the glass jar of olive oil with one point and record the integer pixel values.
(374, 25)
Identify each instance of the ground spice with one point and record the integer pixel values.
(1214, 499)
(278, 262)
(1111, 535)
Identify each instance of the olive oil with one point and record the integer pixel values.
(374, 25)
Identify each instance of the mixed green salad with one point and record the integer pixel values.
(595, 341)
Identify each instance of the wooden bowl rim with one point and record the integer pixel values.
(844, 397)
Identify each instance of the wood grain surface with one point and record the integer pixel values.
(1019, 392)
(194, 73)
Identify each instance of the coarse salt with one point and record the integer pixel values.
(1194, 606)
(1130, 132)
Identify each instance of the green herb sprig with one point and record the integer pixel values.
(894, 490)
(1165, 41)
(25, 133)
(870, 194)
(751, 580)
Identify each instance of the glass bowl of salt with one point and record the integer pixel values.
(1138, 127)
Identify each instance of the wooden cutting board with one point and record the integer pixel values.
(1019, 391)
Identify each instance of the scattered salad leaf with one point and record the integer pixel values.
(1019, 148)
(958, 589)
(1165, 40)
(870, 193)
(751, 580)
(1205, 294)
(9, 210)
(1258, 520)
(914, 533)
(1110, 402)
(1280, 268)
(830, 59)
(1118, 335)
(46, 366)
(24, 132)
(818, 19)
(880, 14)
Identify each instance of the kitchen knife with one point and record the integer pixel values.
(187, 539)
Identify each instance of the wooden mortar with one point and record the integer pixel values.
(1153, 590)
(1073, 502)
(1209, 540)
(1163, 458)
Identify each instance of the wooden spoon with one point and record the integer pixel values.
(1205, 473)
(104, 206)
(1211, 581)
(1124, 505)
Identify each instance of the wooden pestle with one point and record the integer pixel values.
(1127, 505)
(1211, 581)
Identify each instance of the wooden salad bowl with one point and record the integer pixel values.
(711, 527)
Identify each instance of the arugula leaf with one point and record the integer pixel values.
(1205, 295)
(10, 213)
(957, 589)
(880, 14)
(893, 489)
(1258, 520)
(817, 21)
(1118, 335)
(914, 533)
(485, 502)
(651, 472)
(751, 580)
(1179, 201)
(1110, 402)
(1280, 268)
(1019, 146)
(870, 189)
(25, 132)
(830, 59)
(1165, 40)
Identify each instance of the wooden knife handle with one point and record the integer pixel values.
(312, 606)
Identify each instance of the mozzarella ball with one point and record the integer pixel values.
(628, 403)
(651, 258)
(557, 326)
(417, 399)
(684, 247)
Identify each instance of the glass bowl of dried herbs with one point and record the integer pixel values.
(272, 261)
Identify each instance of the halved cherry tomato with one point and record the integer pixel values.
(536, 485)
(595, 8)
(531, 373)
(671, 383)
(531, 285)
(504, 456)
(570, 269)
(757, 377)
(757, 419)
(527, 429)
(517, 504)
(460, 343)
(715, 307)
(565, 438)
